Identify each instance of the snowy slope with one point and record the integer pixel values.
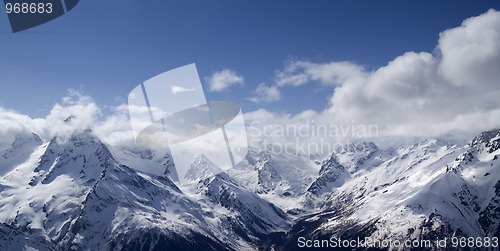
(47, 191)
(13, 239)
(240, 210)
(128, 210)
(76, 194)
(83, 195)
(157, 162)
(278, 177)
(426, 191)
(19, 151)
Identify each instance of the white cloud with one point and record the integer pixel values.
(12, 123)
(421, 94)
(297, 73)
(74, 114)
(266, 94)
(454, 90)
(179, 89)
(470, 53)
(116, 129)
(222, 80)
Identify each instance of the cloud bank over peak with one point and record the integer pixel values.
(418, 94)
(74, 114)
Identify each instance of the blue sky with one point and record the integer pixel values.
(106, 48)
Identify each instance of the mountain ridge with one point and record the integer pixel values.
(90, 199)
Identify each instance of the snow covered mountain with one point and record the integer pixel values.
(427, 191)
(80, 194)
(280, 178)
(76, 195)
(18, 151)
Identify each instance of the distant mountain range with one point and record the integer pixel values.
(80, 194)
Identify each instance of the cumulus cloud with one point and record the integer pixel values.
(297, 73)
(13, 123)
(470, 53)
(455, 89)
(421, 93)
(74, 114)
(266, 93)
(116, 129)
(222, 80)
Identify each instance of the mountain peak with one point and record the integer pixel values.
(357, 147)
(486, 136)
(83, 150)
(23, 139)
(202, 168)
(19, 151)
